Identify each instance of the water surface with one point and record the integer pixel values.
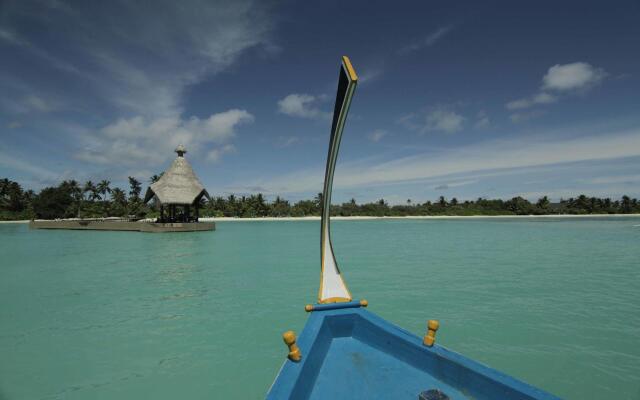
(126, 315)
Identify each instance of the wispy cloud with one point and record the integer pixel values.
(44, 175)
(286, 141)
(525, 115)
(495, 155)
(428, 41)
(302, 106)
(559, 80)
(449, 185)
(539, 98)
(216, 154)
(181, 44)
(626, 179)
(370, 74)
(482, 120)
(377, 135)
(438, 119)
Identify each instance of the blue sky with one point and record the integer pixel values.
(461, 99)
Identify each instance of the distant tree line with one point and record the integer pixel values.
(71, 199)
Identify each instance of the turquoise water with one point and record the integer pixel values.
(126, 315)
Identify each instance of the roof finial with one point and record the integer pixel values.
(180, 150)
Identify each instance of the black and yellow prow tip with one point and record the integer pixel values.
(349, 68)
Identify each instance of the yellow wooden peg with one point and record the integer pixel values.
(364, 303)
(294, 351)
(430, 337)
(308, 307)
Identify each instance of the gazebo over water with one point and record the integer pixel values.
(178, 191)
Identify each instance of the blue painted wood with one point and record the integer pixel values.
(335, 306)
(354, 354)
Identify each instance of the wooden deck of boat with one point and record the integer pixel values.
(352, 353)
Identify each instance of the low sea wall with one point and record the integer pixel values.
(99, 225)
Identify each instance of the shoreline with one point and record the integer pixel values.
(366, 218)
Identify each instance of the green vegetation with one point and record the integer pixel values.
(70, 200)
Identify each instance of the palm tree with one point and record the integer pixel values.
(76, 193)
(155, 178)
(103, 188)
(119, 199)
(625, 204)
(118, 196)
(318, 202)
(90, 188)
(442, 201)
(543, 202)
(136, 188)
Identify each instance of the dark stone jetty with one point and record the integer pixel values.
(137, 226)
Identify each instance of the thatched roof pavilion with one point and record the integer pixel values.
(178, 186)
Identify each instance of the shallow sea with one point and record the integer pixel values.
(128, 315)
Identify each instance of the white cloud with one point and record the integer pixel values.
(441, 120)
(301, 105)
(139, 140)
(494, 155)
(377, 135)
(482, 120)
(36, 103)
(438, 119)
(445, 186)
(578, 76)
(216, 154)
(540, 98)
(11, 38)
(626, 179)
(525, 116)
(286, 141)
(428, 41)
(574, 76)
(369, 75)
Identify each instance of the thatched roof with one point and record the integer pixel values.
(179, 184)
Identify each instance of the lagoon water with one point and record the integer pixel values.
(127, 315)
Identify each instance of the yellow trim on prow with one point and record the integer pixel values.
(349, 68)
(335, 300)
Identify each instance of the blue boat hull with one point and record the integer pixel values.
(350, 353)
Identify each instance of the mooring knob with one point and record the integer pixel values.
(289, 338)
(430, 337)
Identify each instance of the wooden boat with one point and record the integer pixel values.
(347, 352)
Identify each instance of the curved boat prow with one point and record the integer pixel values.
(333, 289)
(347, 352)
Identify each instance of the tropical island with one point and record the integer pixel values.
(71, 199)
